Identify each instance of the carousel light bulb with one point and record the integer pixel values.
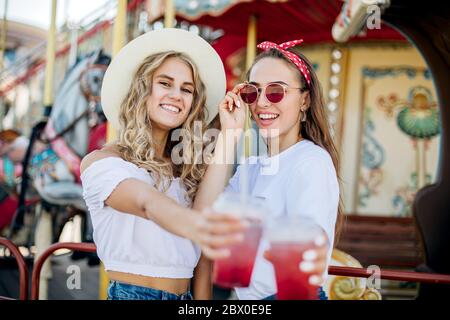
(332, 106)
(184, 25)
(206, 32)
(337, 54)
(332, 119)
(332, 131)
(192, 5)
(193, 28)
(158, 25)
(334, 93)
(335, 67)
(334, 80)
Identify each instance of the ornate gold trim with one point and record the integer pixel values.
(348, 288)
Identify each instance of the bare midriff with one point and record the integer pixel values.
(176, 286)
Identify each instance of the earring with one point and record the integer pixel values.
(303, 119)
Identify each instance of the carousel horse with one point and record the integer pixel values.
(75, 127)
(71, 132)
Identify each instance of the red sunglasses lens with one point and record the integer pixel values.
(274, 92)
(248, 94)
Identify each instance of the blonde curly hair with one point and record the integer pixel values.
(135, 141)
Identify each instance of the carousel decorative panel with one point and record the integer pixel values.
(399, 140)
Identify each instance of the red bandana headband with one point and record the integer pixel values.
(267, 45)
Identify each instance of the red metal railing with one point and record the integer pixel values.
(391, 275)
(23, 270)
(86, 247)
(332, 270)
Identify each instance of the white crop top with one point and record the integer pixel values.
(126, 242)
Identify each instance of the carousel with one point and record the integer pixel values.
(383, 66)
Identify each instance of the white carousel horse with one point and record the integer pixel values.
(54, 171)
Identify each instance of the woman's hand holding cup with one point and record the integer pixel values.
(215, 232)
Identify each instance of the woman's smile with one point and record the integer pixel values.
(170, 108)
(266, 119)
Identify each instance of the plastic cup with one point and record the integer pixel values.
(289, 239)
(236, 270)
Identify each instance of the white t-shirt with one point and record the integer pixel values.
(126, 242)
(300, 180)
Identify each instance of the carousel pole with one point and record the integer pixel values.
(169, 14)
(43, 235)
(118, 41)
(50, 61)
(251, 53)
(120, 27)
(119, 32)
(73, 46)
(73, 36)
(3, 44)
(251, 41)
(4, 35)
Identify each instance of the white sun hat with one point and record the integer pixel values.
(119, 75)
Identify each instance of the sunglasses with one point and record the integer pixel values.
(274, 92)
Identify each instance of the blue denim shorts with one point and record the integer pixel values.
(124, 291)
(321, 295)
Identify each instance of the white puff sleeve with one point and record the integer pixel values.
(101, 178)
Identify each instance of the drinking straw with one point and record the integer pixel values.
(245, 153)
(244, 180)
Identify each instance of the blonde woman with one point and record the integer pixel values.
(147, 234)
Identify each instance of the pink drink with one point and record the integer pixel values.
(236, 270)
(292, 283)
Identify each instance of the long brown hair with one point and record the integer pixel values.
(315, 128)
(135, 139)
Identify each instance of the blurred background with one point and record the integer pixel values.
(380, 95)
